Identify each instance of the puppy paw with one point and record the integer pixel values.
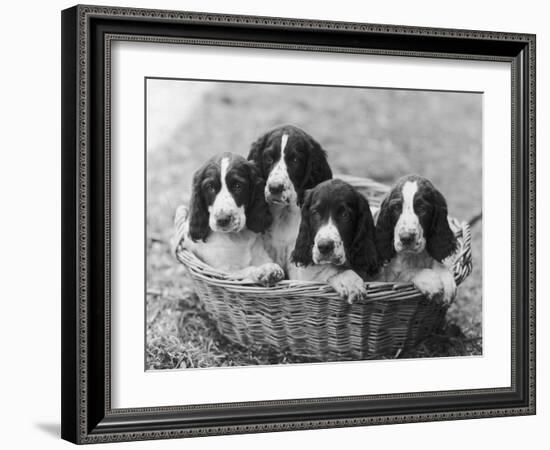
(429, 283)
(349, 286)
(268, 274)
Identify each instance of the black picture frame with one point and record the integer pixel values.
(87, 416)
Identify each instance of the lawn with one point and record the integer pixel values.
(375, 133)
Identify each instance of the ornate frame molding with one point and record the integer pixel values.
(80, 424)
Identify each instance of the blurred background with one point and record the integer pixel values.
(376, 133)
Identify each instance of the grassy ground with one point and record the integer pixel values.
(381, 134)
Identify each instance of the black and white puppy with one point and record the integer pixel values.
(227, 212)
(291, 162)
(415, 239)
(336, 242)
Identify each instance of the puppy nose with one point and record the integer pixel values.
(325, 246)
(275, 188)
(223, 220)
(407, 237)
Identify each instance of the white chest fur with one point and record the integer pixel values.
(405, 266)
(227, 251)
(280, 239)
(314, 272)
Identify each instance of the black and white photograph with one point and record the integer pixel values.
(297, 222)
(291, 223)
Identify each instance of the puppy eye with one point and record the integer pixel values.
(344, 215)
(237, 186)
(421, 208)
(268, 159)
(210, 187)
(293, 160)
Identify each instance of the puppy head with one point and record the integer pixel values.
(413, 218)
(290, 161)
(227, 196)
(336, 228)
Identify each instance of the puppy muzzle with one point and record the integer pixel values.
(279, 189)
(278, 195)
(328, 251)
(409, 240)
(226, 222)
(328, 247)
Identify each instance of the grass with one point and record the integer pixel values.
(381, 134)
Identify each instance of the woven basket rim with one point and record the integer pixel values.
(376, 290)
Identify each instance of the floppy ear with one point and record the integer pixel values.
(301, 255)
(258, 217)
(198, 212)
(256, 152)
(363, 255)
(385, 228)
(441, 242)
(318, 169)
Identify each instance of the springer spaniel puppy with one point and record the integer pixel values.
(290, 161)
(414, 238)
(336, 242)
(227, 212)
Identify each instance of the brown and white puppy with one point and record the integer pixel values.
(414, 238)
(227, 213)
(336, 242)
(290, 161)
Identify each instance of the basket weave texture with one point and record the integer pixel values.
(309, 319)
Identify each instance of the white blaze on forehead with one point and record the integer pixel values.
(224, 164)
(408, 191)
(330, 232)
(224, 203)
(279, 175)
(408, 221)
(223, 168)
(280, 168)
(284, 140)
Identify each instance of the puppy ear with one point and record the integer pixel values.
(258, 217)
(363, 253)
(385, 228)
(318, 169)
(198, 212)
(256, 152)
(441, 242)
(301, 255)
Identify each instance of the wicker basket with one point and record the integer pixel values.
(308, 319)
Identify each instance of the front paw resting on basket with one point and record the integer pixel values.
(429, 283)
(267, 274)
(348, 285)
